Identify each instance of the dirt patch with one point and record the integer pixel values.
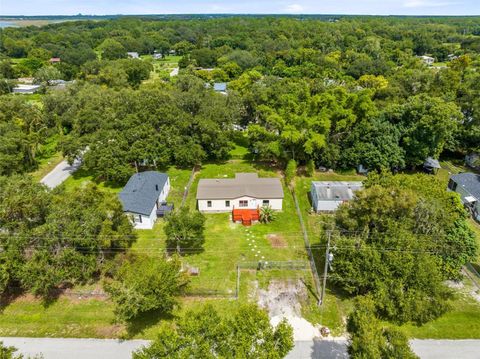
(282, 301)
(276, 240)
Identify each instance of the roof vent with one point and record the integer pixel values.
(156, 187)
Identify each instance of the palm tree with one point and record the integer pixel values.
(267, 214)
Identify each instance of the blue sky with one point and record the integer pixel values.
(372, 7)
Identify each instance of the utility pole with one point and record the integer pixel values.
(325, 270)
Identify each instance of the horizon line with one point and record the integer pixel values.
(239, 14)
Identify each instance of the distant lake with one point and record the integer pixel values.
(7, 24)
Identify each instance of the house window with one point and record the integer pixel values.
(137, 219)
(265, 202)
(227, 203)
(243, 203)
(209, 204)
(452, 185)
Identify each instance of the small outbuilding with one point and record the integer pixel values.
(220, 87)
(467, 185)
(144, 198)
(327, 196)
(26, 89)
(55, 60)
(473, 160)
(431, 165)
(427, 60)
(133, 55)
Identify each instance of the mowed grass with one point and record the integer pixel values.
(226, 243)
(64, 318)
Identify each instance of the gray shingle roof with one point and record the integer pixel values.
(244, 184)
(336, 190)
(141, 192)
(469, 181)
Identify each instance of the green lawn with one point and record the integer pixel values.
(226, 242)
(48, 157)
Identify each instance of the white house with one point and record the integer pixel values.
(245, 191)
(143, 195)
(427, 60)
(26, 89)
(327, 196)
(467, 185)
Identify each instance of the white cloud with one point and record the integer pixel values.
(296, 8)
(427, 3)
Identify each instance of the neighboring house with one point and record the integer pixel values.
(26, 89)
(133, 55)
(144, 196)
(473, 160)
(467, 185)
(245, 191)
(427, 60)
(327, 196)
(55, 60)
(220, 87)
(431, 165)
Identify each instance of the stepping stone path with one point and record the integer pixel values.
(251, 240)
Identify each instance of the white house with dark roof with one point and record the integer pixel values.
(245, 191)
(143, 195)
(467, 185)
(327, 196)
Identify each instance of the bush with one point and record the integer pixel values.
(290, 172)
(267, 214)
(146, 284)
(310, 168)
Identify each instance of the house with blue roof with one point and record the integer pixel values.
(467, 185)
(144, 198)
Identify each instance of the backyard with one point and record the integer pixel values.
(81, 314)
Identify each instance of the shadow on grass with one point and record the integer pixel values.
(82, 173)
(145, 321)
(9, 296)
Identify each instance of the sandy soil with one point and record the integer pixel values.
(282, 300)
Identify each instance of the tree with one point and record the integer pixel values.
(369, 339)
(428, 126)
(204, 334)
(9, 352)
(401, 264)
(111, 49)
(47, 74)
(184, 230)
(146, 284)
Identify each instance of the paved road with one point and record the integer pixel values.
(59, 348)
(60, 173)
(425, 349)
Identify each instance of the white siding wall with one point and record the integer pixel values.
(219, 205)
(164, 194)
(147, 221)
